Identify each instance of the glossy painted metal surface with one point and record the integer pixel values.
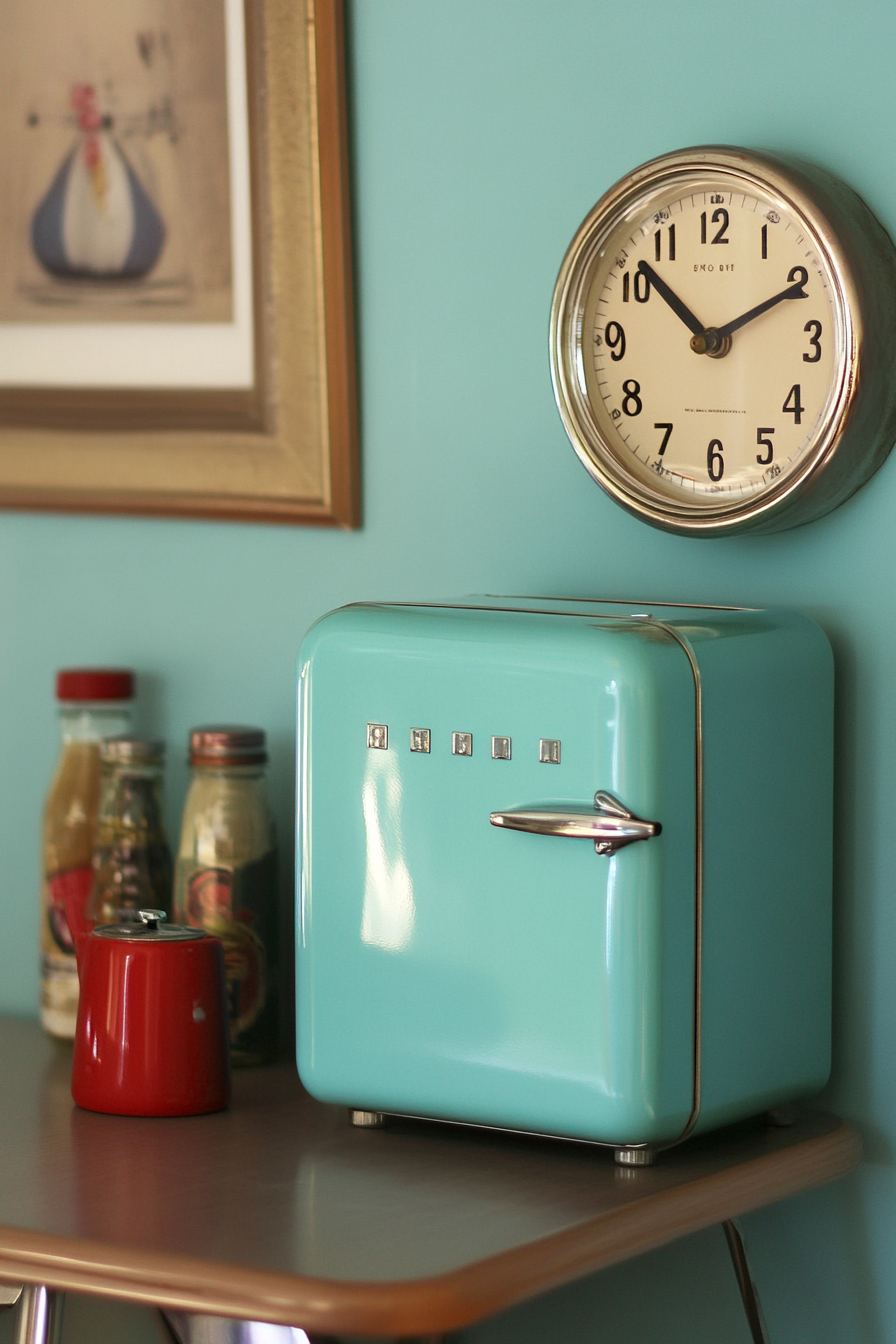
(447, 969)
(151, 1036)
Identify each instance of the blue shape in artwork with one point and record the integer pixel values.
(149, 231)
(48, 227)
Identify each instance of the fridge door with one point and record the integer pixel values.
(455, 968)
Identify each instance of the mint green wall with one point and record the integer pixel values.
(483, 130)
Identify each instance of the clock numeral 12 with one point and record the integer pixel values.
(718, 217)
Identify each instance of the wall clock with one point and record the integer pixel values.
(723, 342)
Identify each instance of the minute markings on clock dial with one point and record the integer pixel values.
(713, 318)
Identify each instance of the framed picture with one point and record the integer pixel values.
(176, 328)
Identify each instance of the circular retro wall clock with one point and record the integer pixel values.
(723, 342)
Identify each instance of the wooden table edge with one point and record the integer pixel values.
(443, 1302)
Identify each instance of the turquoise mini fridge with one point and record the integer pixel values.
(565, 865)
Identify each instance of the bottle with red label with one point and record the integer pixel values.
(226, 878)
(93, 703)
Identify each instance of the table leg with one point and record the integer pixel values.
(187, 1328)
(745, 1282)
(39, 1318)
(184, 1327)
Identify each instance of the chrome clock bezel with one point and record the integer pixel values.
(858, 428)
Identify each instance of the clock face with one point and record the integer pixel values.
(721, 417)
(706, 336)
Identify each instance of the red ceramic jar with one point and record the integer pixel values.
(152, 1035)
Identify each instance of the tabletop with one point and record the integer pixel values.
(279, 1210)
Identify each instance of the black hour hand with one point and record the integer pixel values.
(679, 309)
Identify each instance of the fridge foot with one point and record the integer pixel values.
(782, 1117)
(367, 1119)
(635, 1157)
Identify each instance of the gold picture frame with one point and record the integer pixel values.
(285, 448)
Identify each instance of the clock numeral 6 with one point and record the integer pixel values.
(715, 464)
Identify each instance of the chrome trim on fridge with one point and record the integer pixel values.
(610, 825)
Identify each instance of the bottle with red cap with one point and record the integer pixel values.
(94, 703)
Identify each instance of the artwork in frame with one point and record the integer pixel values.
(176, 329)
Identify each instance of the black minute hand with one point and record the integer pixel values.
(679, 309)
(792, 292)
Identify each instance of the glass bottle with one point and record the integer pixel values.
(226, 878)
(131, 857)
(94, 702)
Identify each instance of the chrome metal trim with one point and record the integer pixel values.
(538, 611)
(420, 740)
(698, 882)
(610, 825)
(746, 1283)
(378, 736)
(615, 601)
(858, 426)
(461, 744)
(549, 750)
(502, 748)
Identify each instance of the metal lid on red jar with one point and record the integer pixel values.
(128, 750)
(227, 744)
(95, 683)
(152, 928)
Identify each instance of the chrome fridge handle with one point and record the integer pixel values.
(611, 826)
